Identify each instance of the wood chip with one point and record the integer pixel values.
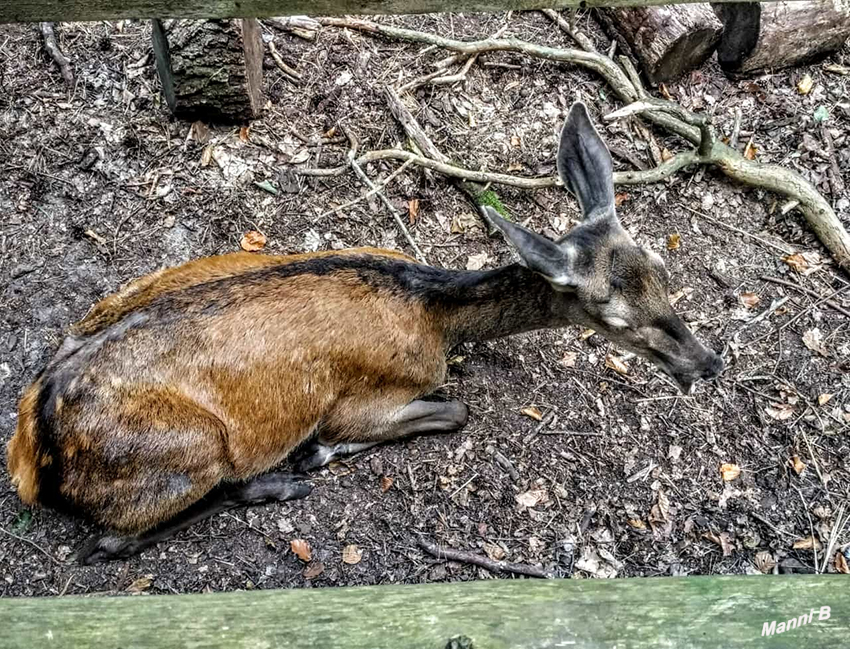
(386, 483)
(253, 241)
(674, 241)
(807, 543)
(749, 300)
(797, 464)
(823, 399)
(616, 363)
(532, 412)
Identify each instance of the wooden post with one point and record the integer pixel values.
(688, 612)
(762, 36)
(21, 11)
(667, 41)
(210, 69)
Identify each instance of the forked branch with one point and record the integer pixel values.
(670, 116)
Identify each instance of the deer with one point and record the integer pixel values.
(180, 395)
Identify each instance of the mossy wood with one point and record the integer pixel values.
(688, 613)
(76, 10)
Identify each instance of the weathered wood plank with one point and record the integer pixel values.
(78, 10)
(687, 613)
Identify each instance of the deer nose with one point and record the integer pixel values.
(713, 367)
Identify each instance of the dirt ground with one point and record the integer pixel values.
(623, 476)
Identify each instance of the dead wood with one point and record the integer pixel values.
(484, 562)
(693, 128)
(668, 41)
(52, 47)
(759, 36)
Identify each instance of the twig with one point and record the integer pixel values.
(577, 433)
(814, 461)
(52, 48)
(836, 183)
(811, 528)
(32, 543)
(302, 26)
(291, 73)
(803, 289)
(507, 465)
(783, 249)
(840, 522)
(368, 194)
(362, 174)
(736, 129)
(580, 39)
(483, 562)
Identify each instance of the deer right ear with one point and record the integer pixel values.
(585, 166)
(551, 260)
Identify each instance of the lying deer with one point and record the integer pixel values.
(172, 399)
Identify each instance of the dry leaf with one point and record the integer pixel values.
(678, 295)
(330, 132)
(666, 154)
(796, 261)
(199, 132)
(824, 399)
(616, 363)
(253, 241)
(637, 524)
(729, 472)
(207, 156)
(494, 551)
(765, 562)
(813, 339)
(301, 549)
(674, 241)
(621, 198)
(665, 92)
(780, 411)
(352, 555)
(412, 210)
(841, 563)
(515, 141)
(456, 360)
(532, 412)
(805, 85)
(798, 464)
(722, 540)
(585, 334)
(750, 151)
(532, 498)
(569, 359)
(244, 134)
(749, 300)
(476, 262)
(807, 543)
(314, 570)
(141, 584)
(386, 483)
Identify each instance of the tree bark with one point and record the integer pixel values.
(761, 36)
(668, 41)
(210, 69)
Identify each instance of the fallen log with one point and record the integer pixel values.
(762, 36)
(210, 70)
(668, 41)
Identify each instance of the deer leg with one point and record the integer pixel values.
(269, 487)
(415, 418)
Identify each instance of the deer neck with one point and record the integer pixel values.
(483, 305)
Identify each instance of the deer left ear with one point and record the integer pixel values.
(552, 260)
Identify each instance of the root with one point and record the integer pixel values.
(625, 82)
(49, 35)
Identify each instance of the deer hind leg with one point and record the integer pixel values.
(417, 417)
(270, 487)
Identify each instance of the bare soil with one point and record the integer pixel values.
(99, 185)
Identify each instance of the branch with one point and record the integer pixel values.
(483, 562)
(654, 175)
(53, 49)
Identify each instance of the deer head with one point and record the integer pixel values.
(600, 277)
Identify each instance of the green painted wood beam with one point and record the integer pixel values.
(679, 613)
(80, 10)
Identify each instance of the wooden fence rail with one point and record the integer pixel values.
(78, 10)
(684, 613)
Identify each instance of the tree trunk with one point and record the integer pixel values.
(667, 41)
(210, 69)
(760, 36)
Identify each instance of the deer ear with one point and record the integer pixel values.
(585, 166)
(551, 260)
